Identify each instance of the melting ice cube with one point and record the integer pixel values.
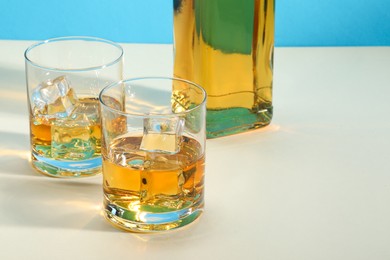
(72, 139)
(77, 136)
(162, 134)
(55, 98)
(87, 109)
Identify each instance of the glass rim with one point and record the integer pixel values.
(74, 38)
(154, 115)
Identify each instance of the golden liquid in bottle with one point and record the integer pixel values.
(226, 46)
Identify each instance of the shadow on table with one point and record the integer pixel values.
(14, 154)
(250, 137)
(13, 95)
(30, 199)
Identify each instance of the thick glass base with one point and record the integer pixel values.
(147, 222)
(236, 120)
(66, 169)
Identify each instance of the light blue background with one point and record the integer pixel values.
(298, 22)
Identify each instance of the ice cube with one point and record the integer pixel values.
(72, 139)
(155, 142)
(78, 135)
(162, 134)
(54, 98)
(87, 109)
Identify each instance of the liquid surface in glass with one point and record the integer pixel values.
(58, 143)
(143, 188)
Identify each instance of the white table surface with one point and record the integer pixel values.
(313, 185)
